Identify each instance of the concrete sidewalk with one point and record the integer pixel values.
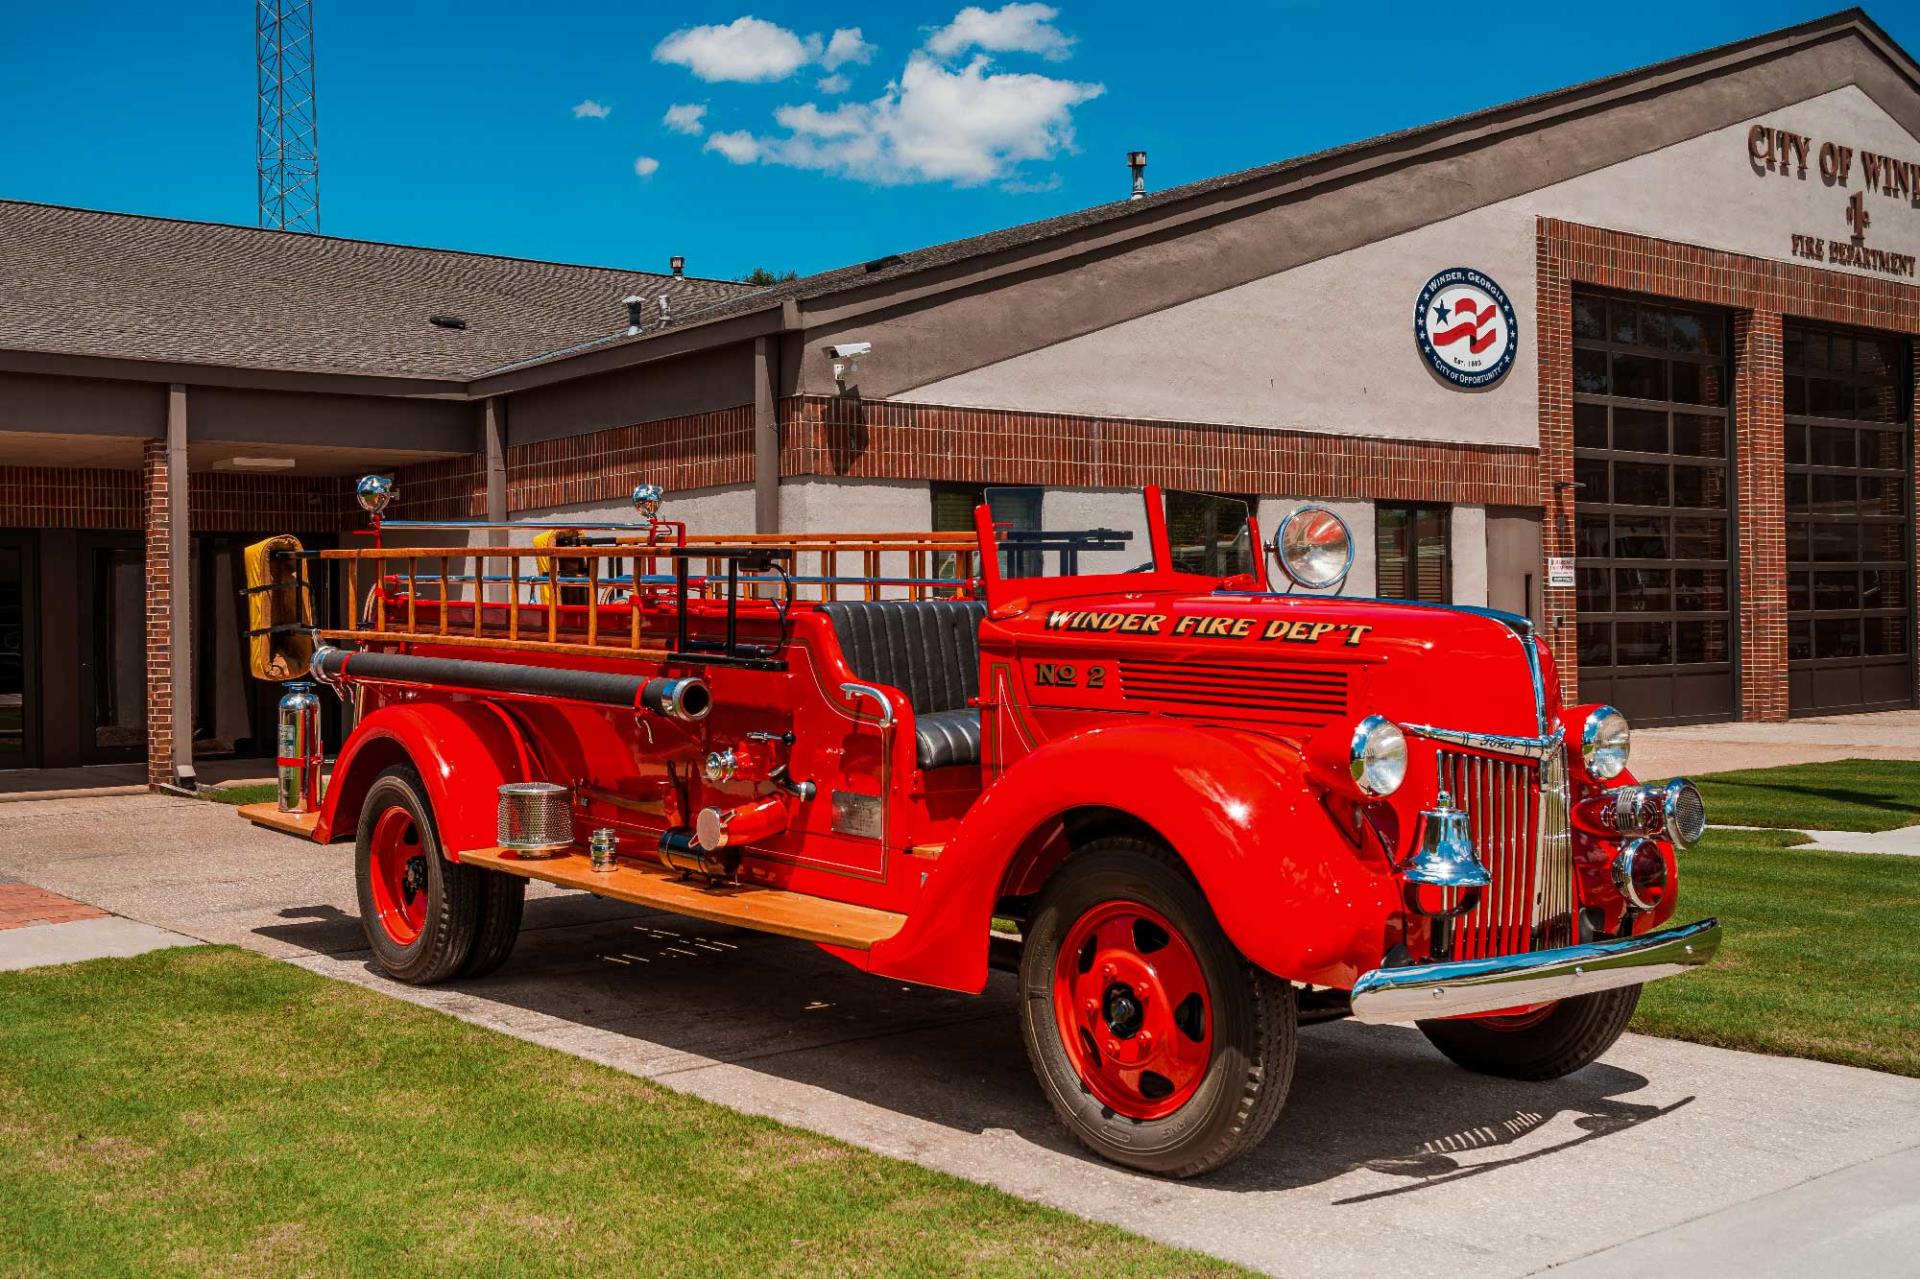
(1387, 1157)
(39, 928)
(1696, 749)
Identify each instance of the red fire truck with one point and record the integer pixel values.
(1190, 806)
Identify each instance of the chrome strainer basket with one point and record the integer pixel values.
(536, 818)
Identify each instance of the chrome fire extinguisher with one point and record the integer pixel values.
(301, 752)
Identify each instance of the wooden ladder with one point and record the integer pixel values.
(770, 910)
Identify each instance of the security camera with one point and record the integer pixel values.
(846, 359)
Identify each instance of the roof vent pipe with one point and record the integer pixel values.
(633, 302)
(1137, 161)
(666, 316)
(678, 265)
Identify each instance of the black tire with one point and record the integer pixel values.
(1570, 1035)
(502, 899)
(1254, 1019)
(444, 936)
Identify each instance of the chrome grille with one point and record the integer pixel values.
(1517, 811)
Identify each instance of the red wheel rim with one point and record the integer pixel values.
(1133, 1009)
(397, 869)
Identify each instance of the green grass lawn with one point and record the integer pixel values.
(1818, 956)
(209, 1112)
(1848, 794)
(255, 793)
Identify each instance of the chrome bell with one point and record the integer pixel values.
(1446, 857)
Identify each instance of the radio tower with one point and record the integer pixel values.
(289, 133)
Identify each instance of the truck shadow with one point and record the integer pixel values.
(666, 996)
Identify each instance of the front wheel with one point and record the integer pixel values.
(419, 910)
(1158, 1044)
(1546, 1043)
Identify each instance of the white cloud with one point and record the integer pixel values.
(1012, 28)
(747, 49)
(935, 124)
(847, 46)
(739, 146)
(686, 117)
(591, 110)
(835, 83)
(646, 166)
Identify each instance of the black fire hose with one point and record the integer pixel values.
(686, 699)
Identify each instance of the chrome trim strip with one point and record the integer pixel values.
(1420, 991)
(1543, 747)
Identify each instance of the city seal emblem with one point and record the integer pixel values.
(1465, 327)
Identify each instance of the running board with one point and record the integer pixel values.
(770, 910)
(269, 816)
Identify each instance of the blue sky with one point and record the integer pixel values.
(470, 126)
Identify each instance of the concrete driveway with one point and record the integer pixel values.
(1693, 749)
(1387, 1157)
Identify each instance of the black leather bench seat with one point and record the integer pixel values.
(929, 650)
(947, 737)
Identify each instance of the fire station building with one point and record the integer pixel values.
(1635, 357)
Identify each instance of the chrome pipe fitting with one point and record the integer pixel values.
(687, 699)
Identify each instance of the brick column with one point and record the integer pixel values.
(1553, 331)
(1759, 444)
(159, 512)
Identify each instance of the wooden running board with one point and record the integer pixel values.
(269, 816)
(771, 910)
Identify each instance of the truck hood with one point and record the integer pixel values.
(1431, 665)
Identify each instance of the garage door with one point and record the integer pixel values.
(1849, 529)
(1654, 527)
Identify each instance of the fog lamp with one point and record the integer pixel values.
(1683, 811)
(1605, 740)
(1640, 873)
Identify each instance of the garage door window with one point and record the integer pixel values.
(1652, 459)
(1413, 560)
(1849, 539)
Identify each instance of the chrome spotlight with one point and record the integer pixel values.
(647, 499)
(373, 492)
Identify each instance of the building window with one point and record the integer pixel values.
(1412, 557)
(1017, 508)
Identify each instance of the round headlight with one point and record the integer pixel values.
(1604, 742)
(1378, 756)
(1314, 547)
(1640, 873)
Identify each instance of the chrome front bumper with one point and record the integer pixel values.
(1420, 991)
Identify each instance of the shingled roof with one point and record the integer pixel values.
(79, 282)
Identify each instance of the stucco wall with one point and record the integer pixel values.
(1329, 346)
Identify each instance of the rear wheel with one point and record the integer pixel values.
(419, 910)
(1544, 1043)
(1158, 1044)
(502, 899)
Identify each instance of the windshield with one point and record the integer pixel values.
(1082, 532)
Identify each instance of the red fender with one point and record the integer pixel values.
(474, 741)
(1288, 888)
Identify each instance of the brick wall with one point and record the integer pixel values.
(157, 485)
(1760, 291)
(887, 439)
(220, 502)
